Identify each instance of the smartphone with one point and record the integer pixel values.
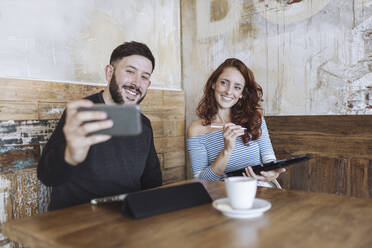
(126, 118)
(272, 165)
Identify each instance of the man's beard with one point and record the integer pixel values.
(115, 91)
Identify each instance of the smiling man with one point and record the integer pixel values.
(81, 167)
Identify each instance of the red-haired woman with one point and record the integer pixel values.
(231, 133)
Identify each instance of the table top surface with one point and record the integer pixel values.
(296, 219)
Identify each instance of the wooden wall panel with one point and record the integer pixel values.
(361, 177)
(12, 110)
(21, 194)
(320, 144)
(334, 125)
(320, 174)
(42, 91)
(153, 98)
(174, 159)
(327, 175)
(50, 110)
(341, 147)
(169, 144)
(174, 128)
(18, 157)
(25, 197)
(6, 210)
(174, 175)
(25, 132)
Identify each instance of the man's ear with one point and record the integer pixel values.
(109, 72)
(149, 83)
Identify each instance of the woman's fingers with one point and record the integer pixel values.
(265, 175)
(271, 175)
(249, 171)
(232, 131)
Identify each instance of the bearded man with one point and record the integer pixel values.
(80, 167)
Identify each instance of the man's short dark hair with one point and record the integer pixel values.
(132, 48)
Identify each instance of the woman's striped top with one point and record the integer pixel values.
(204, 149)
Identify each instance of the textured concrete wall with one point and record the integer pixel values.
(72, 40)
(310, 56)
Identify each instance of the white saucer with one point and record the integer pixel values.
(259, 207)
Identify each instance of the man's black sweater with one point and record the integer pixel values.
(119, 165)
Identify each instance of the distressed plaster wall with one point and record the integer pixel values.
(312, 57)
(72, 40)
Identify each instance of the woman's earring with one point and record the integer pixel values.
(240, 97)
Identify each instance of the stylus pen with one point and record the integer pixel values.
(114, 198)
(219, 126)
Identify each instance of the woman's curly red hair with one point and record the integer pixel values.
(246, 112)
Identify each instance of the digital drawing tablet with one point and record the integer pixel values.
(272, 165)
(126, 118)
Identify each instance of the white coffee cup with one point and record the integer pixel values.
(241, 191)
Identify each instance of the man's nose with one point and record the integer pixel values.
(137, 81)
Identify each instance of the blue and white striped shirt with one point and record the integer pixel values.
(204, 149)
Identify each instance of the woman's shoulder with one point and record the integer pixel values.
(196, 128)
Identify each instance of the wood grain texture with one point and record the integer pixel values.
(296, 219)
(14, 110)
(341, 147)
(175, 174)
(318, 175)
(174, 159)
(28, 132)
(337, 125)
(32, 90)
(6, 210)
(50, 110)
(25, 197)
(18, 157)
(361, 177)
(22, 194)
(169, 144)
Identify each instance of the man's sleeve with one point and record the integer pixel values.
(52, 169)
(151, 176)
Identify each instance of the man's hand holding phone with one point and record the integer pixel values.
(77, 126)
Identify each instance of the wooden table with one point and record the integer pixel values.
(296, 219)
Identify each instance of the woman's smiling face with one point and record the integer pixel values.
(228, 87)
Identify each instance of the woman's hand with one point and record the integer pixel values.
(230, 133)
(267, 176)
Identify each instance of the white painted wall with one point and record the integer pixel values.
(72, 40)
